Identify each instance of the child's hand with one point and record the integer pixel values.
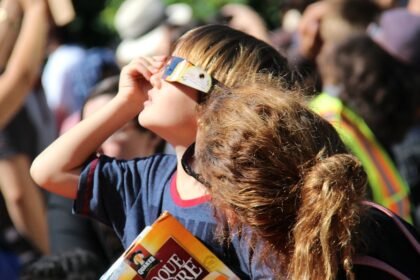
(135, 78)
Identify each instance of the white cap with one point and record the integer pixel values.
(135, 17)
(179, 14)
(155, 40)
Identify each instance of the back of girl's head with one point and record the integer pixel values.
(274, 165)
(230, 55)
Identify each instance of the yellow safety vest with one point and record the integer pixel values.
(388, 187)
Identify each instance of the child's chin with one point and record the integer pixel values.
(147, 103)
(142, 119)
(145, 121)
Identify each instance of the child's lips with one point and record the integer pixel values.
(147, 102)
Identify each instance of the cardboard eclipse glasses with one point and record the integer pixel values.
(181, 71)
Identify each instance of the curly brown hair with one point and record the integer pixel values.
(277, 168)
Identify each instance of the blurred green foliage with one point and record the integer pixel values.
(269, 10)
(94, 23)
(203, 9)
(107, 14)
(90, 27)
(206, 9)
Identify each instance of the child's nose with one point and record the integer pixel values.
(156, 81)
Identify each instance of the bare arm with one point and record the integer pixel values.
(309, 29)
(25, 61)
(10, 17)
(57, 168)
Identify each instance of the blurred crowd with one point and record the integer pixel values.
(358, 61)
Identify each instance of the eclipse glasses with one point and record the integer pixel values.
(181, 71)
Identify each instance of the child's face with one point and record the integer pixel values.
(170, 110)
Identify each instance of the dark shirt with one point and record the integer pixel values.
(130, 195)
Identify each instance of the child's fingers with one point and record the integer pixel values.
(143, 68)
(154, 64)
(140, 67)
(135, 77)
(160, 61)
(162, 58)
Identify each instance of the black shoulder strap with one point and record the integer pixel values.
(376, 263)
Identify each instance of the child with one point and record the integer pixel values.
(276, 167)
(129, 195)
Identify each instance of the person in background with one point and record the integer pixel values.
(407, 152)
(375, 101)
(21, 60)
(69, 46)
(97, 64)
(23, 199)
(149, 27)
(323, 25)
(242, 17)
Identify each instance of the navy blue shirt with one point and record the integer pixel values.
(129, 195)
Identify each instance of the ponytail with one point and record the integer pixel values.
(328, 215)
